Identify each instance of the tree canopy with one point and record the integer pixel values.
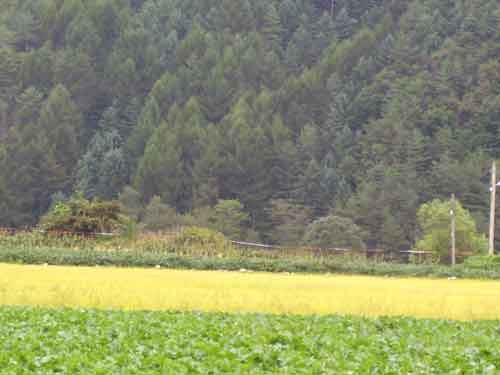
(358, 109)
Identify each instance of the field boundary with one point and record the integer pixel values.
(402, 256)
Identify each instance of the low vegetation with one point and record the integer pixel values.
(203, 249)
(103, 342)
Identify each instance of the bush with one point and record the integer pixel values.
(83, 216)
(211, 242)
(483, 262)
(334, 231)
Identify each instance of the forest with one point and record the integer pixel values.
(297, 109)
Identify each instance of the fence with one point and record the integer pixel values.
(377, 254)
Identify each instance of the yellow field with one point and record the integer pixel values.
(154, 289)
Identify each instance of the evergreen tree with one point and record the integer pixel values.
(149, 120)
(159, 216)
(131, 203)
(103, 171)
(289, 222)
(365, 107)
(230, 219)
(25, 28)
(166, 169)
(272, 29)
(30, 174)
(345, 25)
(28, 106)
(61, 121)
(9, 70)
(289, 16)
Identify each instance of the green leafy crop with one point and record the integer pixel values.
(38, 341)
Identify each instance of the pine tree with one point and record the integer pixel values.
(208, 170)
(289, 222)
(74, 70)
(289, 16)
(28, 106)
(159, 216)
(272, 29)
(149, 120)
(166, 169)
(345, 25)
(9, 70)
(30, 175)
(237, 16)
(230, 219)
(131, 203)
(218, 95)
(325, 33)
(25, 28)
(103, 171)
(61, 121)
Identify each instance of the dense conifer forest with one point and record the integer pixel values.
(298, 109)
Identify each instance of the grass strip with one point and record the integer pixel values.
(93, 257)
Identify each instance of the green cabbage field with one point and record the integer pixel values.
(44, 341)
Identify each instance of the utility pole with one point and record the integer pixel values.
(453, 230)
(493, 190)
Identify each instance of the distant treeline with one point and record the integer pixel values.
(298, 109)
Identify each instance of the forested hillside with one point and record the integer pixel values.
(297, 108)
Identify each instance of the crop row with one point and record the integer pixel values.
(37, 341)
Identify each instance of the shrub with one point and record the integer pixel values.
(83, 216)
(483, 262)
(203, 238)
(334, 231)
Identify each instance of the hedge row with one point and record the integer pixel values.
(62, 256)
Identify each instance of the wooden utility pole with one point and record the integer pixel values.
(453, 230)
(493, 191)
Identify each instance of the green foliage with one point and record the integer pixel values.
(130, 203)
(151, 252)
(434, 221)
(61, 119)
(203, 238)
(160, 216)
(103, 170)
(366, 109)
(230, 219)
(483, 262)
(244, 343)
(334, 232)
(289, 222)
(83, 216)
